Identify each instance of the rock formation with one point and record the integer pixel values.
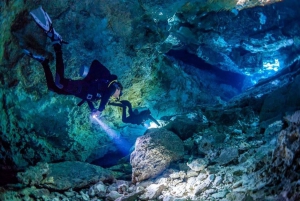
(220, 76)
(153, 153)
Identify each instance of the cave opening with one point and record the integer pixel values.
(236, 80)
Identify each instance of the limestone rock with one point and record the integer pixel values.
(203, 185)
(34, 192)
(186, 126)
(153, 191)
(204, 144)
(228, 155)
(294, 118)
(285, 162)
(130, 197)
(98, 190)
(198, 164)
(113, 195)
(153, 153)
(34, 175)
(65, 175)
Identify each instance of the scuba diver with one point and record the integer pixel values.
(98, 83)
(135, 117)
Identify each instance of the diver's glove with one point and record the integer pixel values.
(96, 113)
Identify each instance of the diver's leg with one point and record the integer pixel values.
(60, 80)
(128, 104)
(49, 78)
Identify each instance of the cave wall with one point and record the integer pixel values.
(39, 125)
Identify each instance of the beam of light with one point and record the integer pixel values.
(121, 143)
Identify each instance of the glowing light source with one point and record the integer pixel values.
(272, 66)
(152, 125)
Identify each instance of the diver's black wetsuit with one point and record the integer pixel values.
(88, 91)
(134, 116)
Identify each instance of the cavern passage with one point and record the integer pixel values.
(220, 77)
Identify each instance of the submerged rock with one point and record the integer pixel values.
(154, 152)
(34, 175)
(227, 155)
(186, 125)
(65, 175)
(198, 164)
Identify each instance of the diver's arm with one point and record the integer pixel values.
(91, 105)
(116, 104)
(125, 119)
(104, 101)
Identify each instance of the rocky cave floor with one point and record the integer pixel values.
(242, 162)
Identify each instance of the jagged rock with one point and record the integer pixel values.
(185, 126)
(198, 164)
(176, 175)
(204, 144)
(67, 175)
(285, 164)
(98, 189)
(84, 196)
(203, 185)
(113, 195)
(191, 173)
(35, 193)
(235, 196)
(153, 191)
(153, 153)
(294, 118)
(220, 194)
(123, 188)
(227, 155)
(201, 177)
(34, 175)
(130, 197)
(217, 180)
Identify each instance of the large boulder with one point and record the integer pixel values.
(153, 153)
(285, 163)
(64, 175)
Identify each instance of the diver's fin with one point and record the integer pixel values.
(44, 22)
(39, 58)
(41, 18)
(57, 81)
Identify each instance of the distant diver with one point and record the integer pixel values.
(98, 84)
(135, 117)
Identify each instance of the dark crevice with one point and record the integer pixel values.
(223, 77)
(8, 171)
(5, 109)
(110, 159)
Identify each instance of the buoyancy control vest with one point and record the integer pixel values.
(96, 82)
